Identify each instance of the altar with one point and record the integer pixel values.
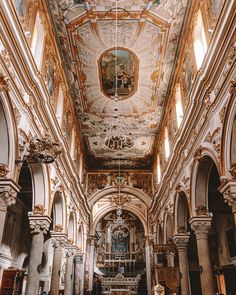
(120, 285)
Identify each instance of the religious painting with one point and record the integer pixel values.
(120, 239)
(118, 73)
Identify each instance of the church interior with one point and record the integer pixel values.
(118, 147)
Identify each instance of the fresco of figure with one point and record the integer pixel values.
(118, 73)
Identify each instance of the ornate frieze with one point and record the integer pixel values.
(143, 182)
(96, 182)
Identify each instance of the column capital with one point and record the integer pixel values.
(71, 250)
(228, 189)
(201, 226)
(91, 239)
(79, 258)
(59, 240)
(181, 241)
(148, 239)
(39, 223)
(8, 193)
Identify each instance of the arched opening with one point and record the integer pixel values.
(169, 228)
(183, 226)
(57, 213)
(222, 237)
(233, 145)
(71, 228)
(16, 241)
(80, 238)
(120, 249)
(4, 138)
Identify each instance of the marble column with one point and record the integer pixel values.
(148, 264)
(39, 225)
(201, 226)
(91, 240)
(79, 274)
(181, 241)
(59, 242)
(71, 250)
(228, 189)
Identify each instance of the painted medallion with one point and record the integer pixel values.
(118, 73)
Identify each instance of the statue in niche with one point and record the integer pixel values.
(188, 76)
(50, 78)
(120, 239)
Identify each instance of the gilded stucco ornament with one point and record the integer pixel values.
(3, 83)
(7, 198)
(3, 170)
(42, 151)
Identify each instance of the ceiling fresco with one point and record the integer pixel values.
(119, 57)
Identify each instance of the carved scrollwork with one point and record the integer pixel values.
(3, 170)
(39, 225)
(143, 182)
(7, 198)
(96, 182)
(3, 83)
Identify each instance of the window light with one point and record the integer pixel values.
(200, 43)
(179, 106)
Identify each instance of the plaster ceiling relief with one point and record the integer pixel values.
(123, 68)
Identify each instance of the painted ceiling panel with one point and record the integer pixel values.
(119, 56)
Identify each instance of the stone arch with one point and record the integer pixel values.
(159, 234)
(58, 211)
(80, 240)
(181, 212)
(71, 231)
(8, 140)
(168, 227)
(228, 142)
(126, 190)
(199, 180)
(114, 207)
(40, 185)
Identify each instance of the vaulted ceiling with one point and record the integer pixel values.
(119, 59)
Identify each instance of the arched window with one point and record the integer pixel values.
(37, 43)
(60, 102)
(178, 106)
(158, 169)
(199, 41)
(167, 145)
